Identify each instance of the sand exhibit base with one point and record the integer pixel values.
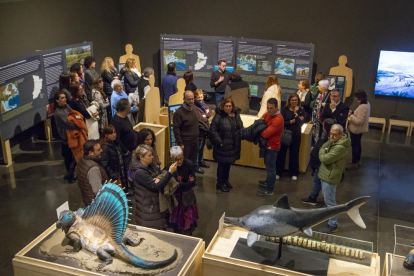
(151, 249)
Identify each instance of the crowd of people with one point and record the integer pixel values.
(95, 115)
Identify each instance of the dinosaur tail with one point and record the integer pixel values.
(123, 253)
(353, 210)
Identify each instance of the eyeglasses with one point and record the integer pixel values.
(294, 100)
(334, 134)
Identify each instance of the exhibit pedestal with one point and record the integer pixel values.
(25, 264)
(220, 258)
(160, 133)
(397, 266)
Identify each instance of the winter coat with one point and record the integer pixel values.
(253, 134)
(272, 92)
(333, 159)
(359, 121)
(239, 91)
(77, 137)
(130, 81)
(225, 135)
(108, 77)
(90, 76)
(112, 159)
(203, 123)
(340, 115)
(147, 205)
(99, 101)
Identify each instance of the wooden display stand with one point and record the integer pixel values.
(25, 266)
(249, 155)
(388, 262)
(342, 70)
(152, 103)
(381, 121)
(400, 123)
(217, 260)
(48, 130)
(411, 128)
(178, 97)
(163, 117)
(160, 133)
(129, 54)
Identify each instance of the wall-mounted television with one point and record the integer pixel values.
(395, 75)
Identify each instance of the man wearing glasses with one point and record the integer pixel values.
(336, 109)
(333, 157)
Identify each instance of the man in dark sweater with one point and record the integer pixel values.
(239, 91)
(124, 131)
(185, 127)
(219, 80)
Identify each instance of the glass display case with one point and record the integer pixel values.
(404, 243)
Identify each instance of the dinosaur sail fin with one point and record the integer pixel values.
(282, 202)
(353, 211)
(109, 211)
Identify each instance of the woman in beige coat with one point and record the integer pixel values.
(272, 91)
(358, 124)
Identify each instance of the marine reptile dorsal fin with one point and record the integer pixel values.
(282, 202)
(109, 211)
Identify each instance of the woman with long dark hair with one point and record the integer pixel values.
(113, 152)
(225, 135)
(189, 81)
(358, 124)
(64, 86)
(294, 117)
(147, 137)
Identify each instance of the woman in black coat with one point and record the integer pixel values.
(79, 101)
(148, 187)
(108, 74)
(294, 117)
(225, 136)
(130, 77)
(113, 153)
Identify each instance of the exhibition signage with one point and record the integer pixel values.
(171, 111)
(28, 85)
(254, 58)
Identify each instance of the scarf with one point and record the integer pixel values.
(201, 105)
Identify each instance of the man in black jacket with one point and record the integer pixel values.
(219, 80)
(336, 109)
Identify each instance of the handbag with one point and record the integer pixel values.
(188, 197)
(286, 138)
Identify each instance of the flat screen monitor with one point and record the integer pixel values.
(395, 75)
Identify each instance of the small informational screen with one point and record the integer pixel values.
(255, 59)
(28, 85)
(171, 111)
(395, 75)
(337, 82)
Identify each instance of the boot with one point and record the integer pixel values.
(199, 170)
(71, 179)
(222, 188)
(228, 185)
(204, 165)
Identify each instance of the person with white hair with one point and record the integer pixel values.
(333, 157)
(118, 94)
(318, 105)
(183, 218)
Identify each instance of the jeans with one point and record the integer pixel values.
(200, 155)
(219, 98)
(329, 195)
(293, 157)
(223, 172)
(317, 186)
(356, 147)
(127, 160)
(270, 162)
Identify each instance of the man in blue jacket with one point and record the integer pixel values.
(169, 82)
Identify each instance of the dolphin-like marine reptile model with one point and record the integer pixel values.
(100, 229)
(279, 219)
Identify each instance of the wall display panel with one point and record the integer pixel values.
(27, 86)
(254, 58)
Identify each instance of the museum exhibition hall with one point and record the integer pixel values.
(182, 138)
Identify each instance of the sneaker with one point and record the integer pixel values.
(309, 201)
(199, 170)
(264, 193)
(262, 183)
(204, 165)
(277, 177)
(327, 229)
(294, 178)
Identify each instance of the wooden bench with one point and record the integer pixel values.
(381, 121)
(400, 123)
(411, 129)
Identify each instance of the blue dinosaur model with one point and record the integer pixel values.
(100, 229)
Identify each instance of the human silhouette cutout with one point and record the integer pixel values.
(343, 70)
(129, 54)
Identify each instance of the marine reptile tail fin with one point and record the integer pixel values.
(126, 255)
(353, 210)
